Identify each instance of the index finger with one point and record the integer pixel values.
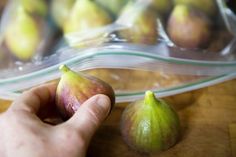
(36, 98)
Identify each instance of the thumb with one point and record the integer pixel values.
(90, 115)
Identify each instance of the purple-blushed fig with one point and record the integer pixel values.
(189, 28)
(75, 88)
(150, 125)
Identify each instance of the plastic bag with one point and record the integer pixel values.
(130, 73)
(188, 29)
(131, 47)
(25, 33)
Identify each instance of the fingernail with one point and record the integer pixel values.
(105, 102)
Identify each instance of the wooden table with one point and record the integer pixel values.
(208, 120)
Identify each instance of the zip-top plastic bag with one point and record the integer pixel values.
(188, 29)
(168, 46)
(26, 33)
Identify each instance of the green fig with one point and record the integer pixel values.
(150, 125)
(188, 27)
(162, 6)
(84, 16)
(207, 6)
(75, 88)
(22, 35)
(36, 7)
(113, 6)
(141, 24)
(60, 10)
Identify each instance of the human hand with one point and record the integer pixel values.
(24, 134)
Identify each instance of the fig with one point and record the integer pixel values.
(207, 6)
(150, 125)
(37, 7)
(189, 28)
(60, 10)
(75, 88)
(113, 6)
(22, 35)
(86, 15)
(141, 23)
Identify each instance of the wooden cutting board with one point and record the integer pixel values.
(208, 121)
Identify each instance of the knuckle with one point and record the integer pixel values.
(95, 114)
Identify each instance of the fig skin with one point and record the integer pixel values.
(60, 9)
(75, 88)
(150, 125)
(189, 28)
(141, 24)
(209, 7)
(38, 7)
(22, 35)
(84, 16)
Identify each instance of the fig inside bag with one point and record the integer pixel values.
(134, 45)
(26, 34)
(195, 30)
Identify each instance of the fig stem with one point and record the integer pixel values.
(63, 68)
(150, 98)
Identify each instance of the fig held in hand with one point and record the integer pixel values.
(150, 125)
(75, 88)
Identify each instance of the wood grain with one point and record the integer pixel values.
(208, 119)
(205, 116)
(4, 104)
(232, 132)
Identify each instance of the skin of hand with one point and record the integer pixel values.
(23, 132)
